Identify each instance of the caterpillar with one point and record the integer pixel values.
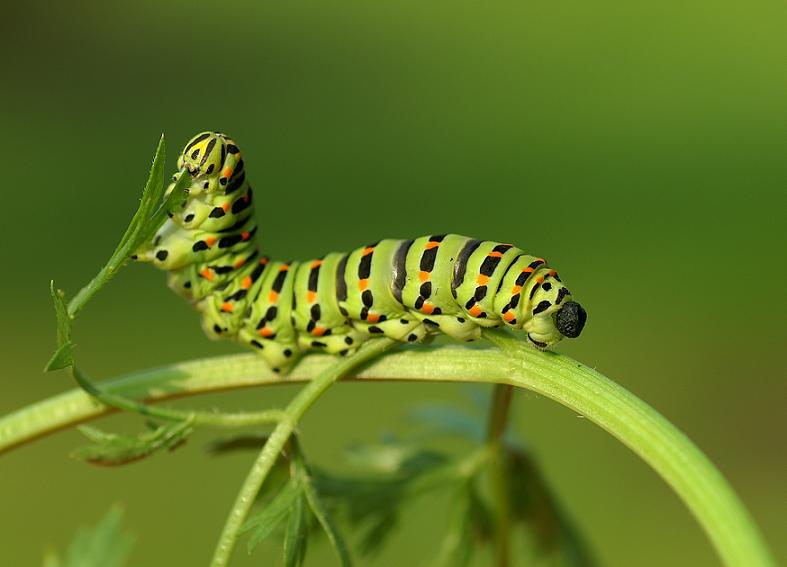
(407, 290)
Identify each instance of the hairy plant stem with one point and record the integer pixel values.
(281, 434)
(580, 388)
(498, 418)
(215, 419)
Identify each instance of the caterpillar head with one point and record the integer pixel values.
(211, 159)
(553, 314)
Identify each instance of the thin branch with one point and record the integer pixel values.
(281, 434)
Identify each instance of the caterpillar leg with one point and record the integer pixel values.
(455, 326)
(335, 343)
(278, 355)
(403, 328)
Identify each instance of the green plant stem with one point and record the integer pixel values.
(281, 434)
(215, 419)
(498, 413)
(87, 292)
(585, 391)
(498, 418)
(646, 432)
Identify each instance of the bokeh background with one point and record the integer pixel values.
(638, 146)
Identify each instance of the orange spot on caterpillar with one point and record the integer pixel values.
(539, 279)
(227, 172)
(363, 284)
(207, 273)
(226, 307)
(311, 296)
(475, 311)
(239, 263)
(245, 235)
(552, 273)
(482, 279)
(427, 308)
(318, 331)
(272, 297)
(423, 276)
(368, 250)
(516, 290)
(527, 269)
(284, 268)
(263, 261)
(265, 332)
(495, 254)
(226, 206)
(509, 316)
(210, 241)
(246, 282)
(430, 245)
(373, 317)
(315, 264)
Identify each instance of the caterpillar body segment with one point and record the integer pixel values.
(403, 289)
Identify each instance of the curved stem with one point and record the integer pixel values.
(447, 363)
(636, 424)
(646, 432)
(281, 434)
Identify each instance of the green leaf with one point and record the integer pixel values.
(303, 474)
(105, 545)
(263, 524)
(373, 503)
(141, 228)
(61, 313)
(151, 196)
(63, 355)
(113, 449)
(296, 537)
(331, 531)
(471, 524)
(535, 507)
(154, 187)
(458, 546)
(172, 202)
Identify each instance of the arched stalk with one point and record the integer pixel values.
(668, 451)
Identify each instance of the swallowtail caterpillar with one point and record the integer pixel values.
(404, 289)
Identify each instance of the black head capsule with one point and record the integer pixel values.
(570, 320)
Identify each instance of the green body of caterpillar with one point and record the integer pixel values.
(403, 289)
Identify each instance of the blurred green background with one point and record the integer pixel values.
(638, 146)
